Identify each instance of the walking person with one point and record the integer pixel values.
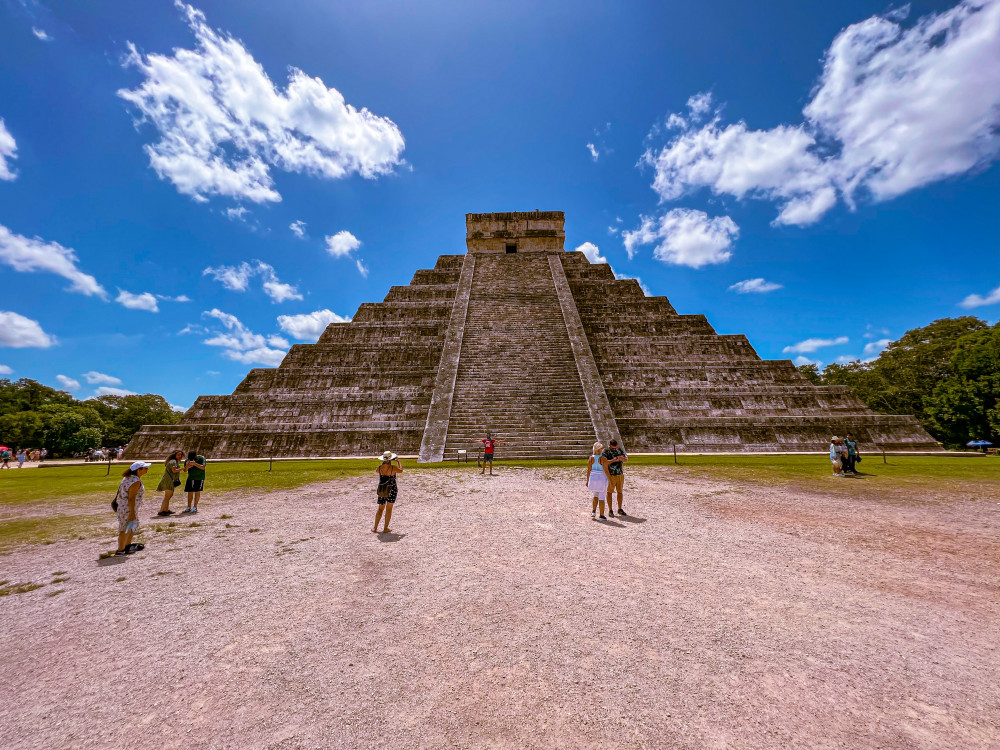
(385, 494)
(21, 458)
(616, 459)
(129, 499)
(195, 468)
(836, 458)
(170, 480)
(489, 443)
(853, 456)
(597, 480)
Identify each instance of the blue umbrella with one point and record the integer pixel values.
(978, 443)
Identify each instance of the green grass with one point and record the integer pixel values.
(47, 529)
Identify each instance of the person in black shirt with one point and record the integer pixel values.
(616, 458)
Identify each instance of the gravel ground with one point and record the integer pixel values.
(499, 615)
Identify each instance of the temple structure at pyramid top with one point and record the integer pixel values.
(536, 344)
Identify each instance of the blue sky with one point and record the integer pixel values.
(185, 191)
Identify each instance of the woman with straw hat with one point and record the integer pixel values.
(386, 492)
(835, 456)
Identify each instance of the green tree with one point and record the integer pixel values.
(83, 439)
(124, 415)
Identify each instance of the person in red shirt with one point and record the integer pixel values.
(488, 444)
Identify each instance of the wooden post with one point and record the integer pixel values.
(109, 465)
(270, 462)
(883, 454)
(675, 454)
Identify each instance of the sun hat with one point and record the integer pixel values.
(834, 439)
(388, 456)
(139, 465)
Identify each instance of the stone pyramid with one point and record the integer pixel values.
(536, 344)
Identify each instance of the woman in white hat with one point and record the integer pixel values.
(129, 498)
(597, 480)
(835, 457)
(386, 492)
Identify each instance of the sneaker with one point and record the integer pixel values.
(121, 552)
(611, 513)
(165, 513)
(622, 512)
(186, 510)
(602, 518)
(194, 510)
(593, 514)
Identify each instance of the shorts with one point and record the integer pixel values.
(616, 483)
(384, 500)
(598, 482)
(194, 485)
(488, 457)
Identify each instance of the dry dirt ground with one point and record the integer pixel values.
(718, 614)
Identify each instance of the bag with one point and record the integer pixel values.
(383, 491)
(177, 483)
(857, 460)
(114, 503)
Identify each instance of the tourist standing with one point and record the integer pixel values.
(195, 468)
(836, 458)
(385, 494)
(171, 479)
(852, 453)
(489, 444)
(597, 480)
(129, 499)
(616, 459)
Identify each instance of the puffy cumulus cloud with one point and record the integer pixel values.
(298, 229)
(342, 244)
(223, 125)
(99, 378)
(684, 237)
(309, 326)
(811, 345)
(8, 152)
(977, 300)
(240, 344)
(142, 301)
(592, 251)
(19, 332)
(5, 370)
(800, 360)
(237, 279)
(105, 390)
(754, 286)
(874, 348)
(31, 255)
(894, 109)
(237, 213)
(68, 383)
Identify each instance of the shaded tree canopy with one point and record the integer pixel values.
(946, 374)
(33, 415)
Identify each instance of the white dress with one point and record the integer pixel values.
(122, 498)
(598, 480)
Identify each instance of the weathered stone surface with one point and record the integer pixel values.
(536, 344)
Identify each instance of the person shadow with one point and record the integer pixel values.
(106, 562)
(391, 536)
(609, 522)
(633, 519)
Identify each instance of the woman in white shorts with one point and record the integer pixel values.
(597, 479)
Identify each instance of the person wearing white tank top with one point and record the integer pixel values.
(597, 479)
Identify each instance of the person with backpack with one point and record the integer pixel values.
(126, 504)
(195, 468)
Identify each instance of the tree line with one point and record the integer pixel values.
(946, 374)
(33, 415)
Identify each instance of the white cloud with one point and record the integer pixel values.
(342, 244)
(594, 153)
(29, 255)
(5, 370)
(810, 345)
(309, 326)
(362, 268)
(108, 391)
(237, 279)
(99, 378)
(894, 109)
(41, 34)
(142, 301)
(874, 348)
(212, 372)
(223, 125)
(19, 332)
(298, 229)
(179, 409)
(8, 150)
(240, 344)
(872, 332)
(684, 237)
(638, 280)
(754, 286)
(700, 104)
(976, 300)
(239, 213)
(179, 298)
(68, 383)
(613, 230)
(592, 252)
